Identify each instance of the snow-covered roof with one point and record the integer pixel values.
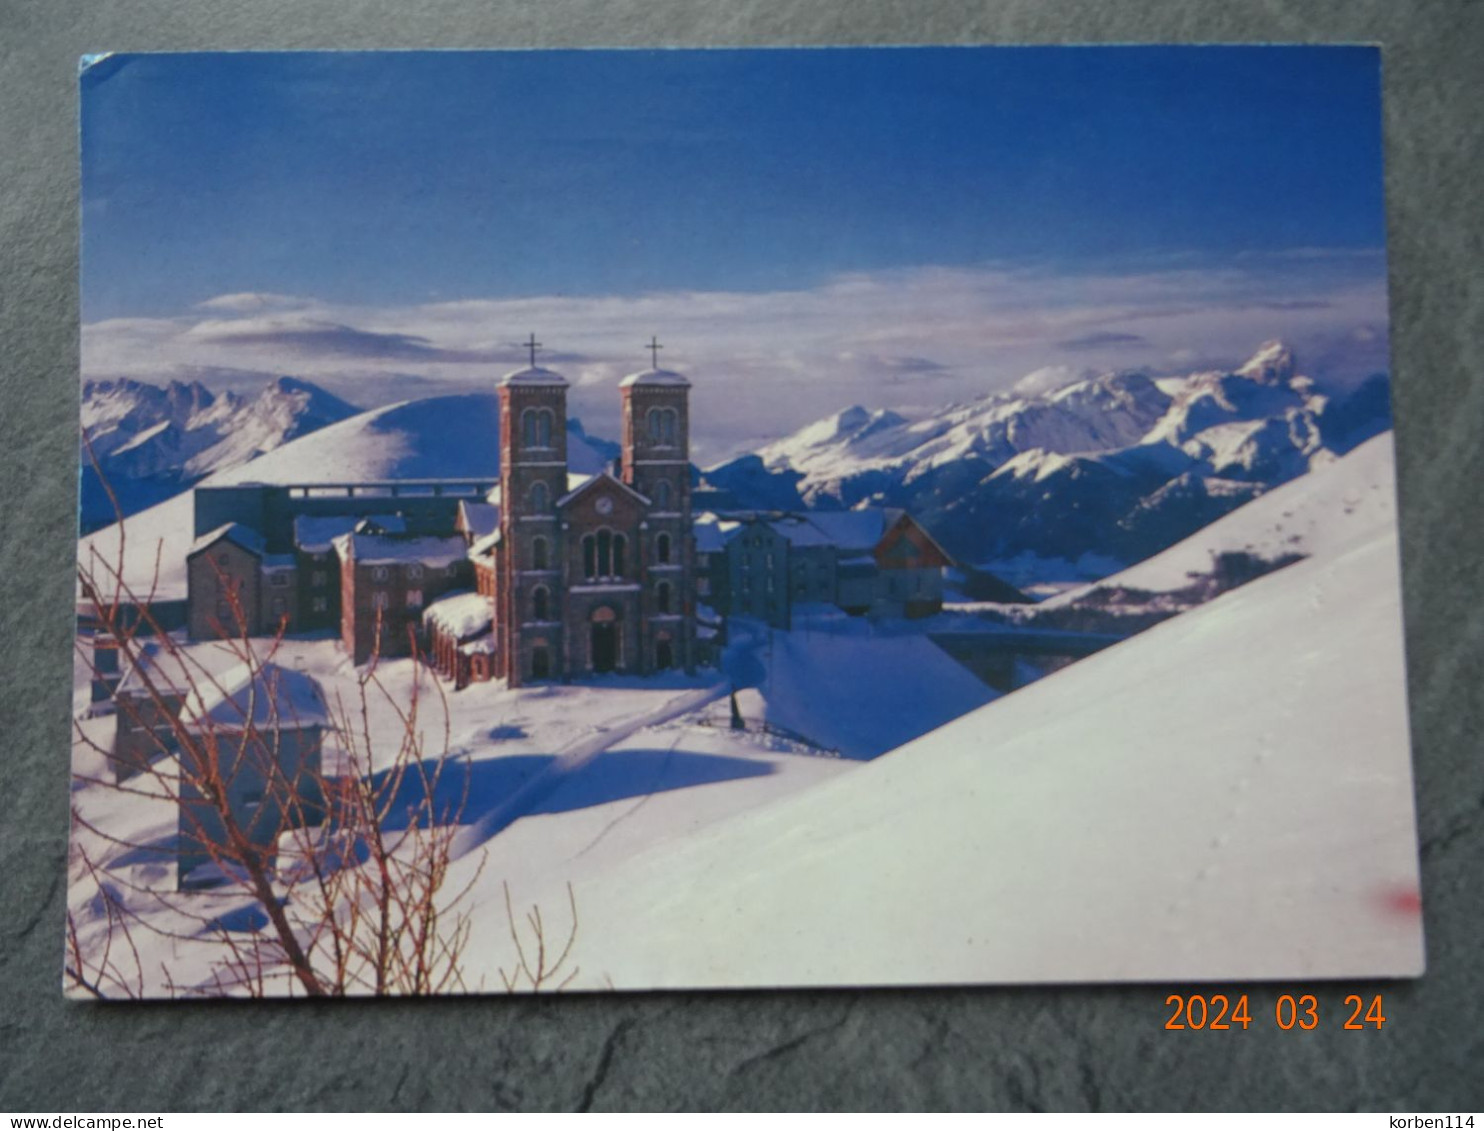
(712, 532)
(147, 665)
(461, 614)
(266, 696)
(533, 375)
(382, 549)
(382, 524)
(479, 519)
(801, 532)
(239, 535)
(484, 545)
(851, 530)
(479, 646)
(277, 563)
(591, 481)
(316, 534)
(654, 377)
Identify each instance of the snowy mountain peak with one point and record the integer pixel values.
(1117, 464)
(1272, 364)
(152, 441)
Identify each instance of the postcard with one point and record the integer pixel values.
(634, 519)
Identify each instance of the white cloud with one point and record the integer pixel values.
(765, 363)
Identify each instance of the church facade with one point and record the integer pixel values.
(592, 575)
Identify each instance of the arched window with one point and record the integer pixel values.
(540, 603)
(662, 495)
(662, 597)
(604, 555)
(538, 553)
(661, 425)
(540, 498)
(662, 549)
(535, 428)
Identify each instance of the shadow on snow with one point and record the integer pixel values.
(523, 784)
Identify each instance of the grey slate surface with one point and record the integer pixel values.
(980, 1048)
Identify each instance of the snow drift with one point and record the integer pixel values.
(1226, 796)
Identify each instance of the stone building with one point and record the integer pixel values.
(224, 583)
(591, 575)
(386, 581)
(583, 574)
(874, 560)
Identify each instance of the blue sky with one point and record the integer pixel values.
(359, 184)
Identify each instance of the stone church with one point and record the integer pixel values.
(596, 574)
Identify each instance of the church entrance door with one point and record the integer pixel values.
(604, 640)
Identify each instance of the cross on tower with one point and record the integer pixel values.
(654, 348)
(533, 345)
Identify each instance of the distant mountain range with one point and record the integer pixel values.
(1072, 483)
(1086, 478)
(150, 441)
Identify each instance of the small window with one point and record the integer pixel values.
(379, 601)
(279, 580)
(703, 586)
(320, 605)
(662, 495)
(318, 579)
(414, 573)
(280, 608)
(380, 573)
(536, 428)
(540, 498)
(620, 544)
(414, 598)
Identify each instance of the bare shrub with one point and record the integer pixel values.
(323, 838)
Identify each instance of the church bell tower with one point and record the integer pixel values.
(655, 462)
(533, 476)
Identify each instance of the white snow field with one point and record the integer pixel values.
(1226, 796)
(1316, 514)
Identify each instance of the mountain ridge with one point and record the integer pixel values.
(1110, 468)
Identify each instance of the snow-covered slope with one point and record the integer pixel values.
(1226, 796)
(151, 442)
(1114, 467)
(440, 437)
(1318, 513)
(849, 685)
